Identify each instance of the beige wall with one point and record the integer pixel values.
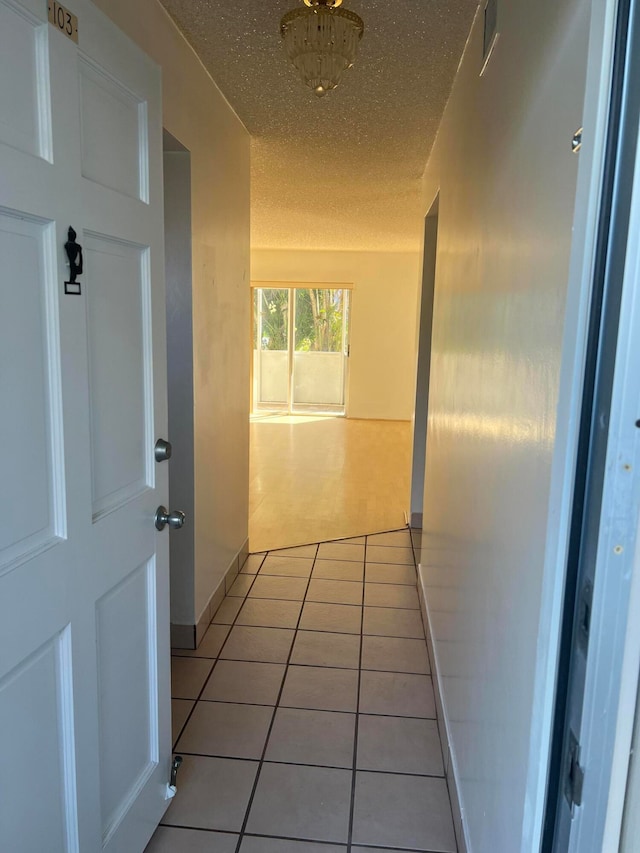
(383, 320)
(197, 114)
(506, 177)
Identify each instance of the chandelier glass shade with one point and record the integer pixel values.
(322, 42)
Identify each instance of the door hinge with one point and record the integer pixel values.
(574, 773)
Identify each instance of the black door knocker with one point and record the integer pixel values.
(74, 253)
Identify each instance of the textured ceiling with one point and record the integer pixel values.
(341, 172)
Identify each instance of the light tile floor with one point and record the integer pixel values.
(306, 718)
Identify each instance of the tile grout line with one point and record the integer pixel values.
(340, 539)
(374, 847)
(341, 633)
(355, 733)
(317, 710)
(316, 561)
(279, 552)
(333, 580)
(322, 601)
(308, 630)
(295, 838)
(337, 844)
(313, 601)
(314, 665)
(317, 766)
(215, 663)
(275, 711)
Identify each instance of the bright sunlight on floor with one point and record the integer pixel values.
(316, 477)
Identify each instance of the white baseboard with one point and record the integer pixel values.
(190, 636)
(450, 767)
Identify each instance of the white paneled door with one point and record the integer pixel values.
(84, 666)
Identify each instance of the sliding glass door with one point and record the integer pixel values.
(271, 374)
(319, 349)
(300, 349)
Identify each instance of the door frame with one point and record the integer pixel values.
(603, 457)
(587, 209)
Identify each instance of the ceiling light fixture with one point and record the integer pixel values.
(322, 42)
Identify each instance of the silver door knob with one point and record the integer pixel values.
(174, 519)
(162, 450)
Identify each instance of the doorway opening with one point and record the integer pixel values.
(423, 369)
(300, 348)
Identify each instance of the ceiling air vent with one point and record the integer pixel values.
(490, 32)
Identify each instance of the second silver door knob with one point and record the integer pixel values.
(175, 519)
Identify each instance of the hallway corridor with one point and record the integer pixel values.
(306, 718)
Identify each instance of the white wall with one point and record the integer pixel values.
(383, 319)
(196, 113)
(503, 166)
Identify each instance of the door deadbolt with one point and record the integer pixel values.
(174, 519)
(162, 451)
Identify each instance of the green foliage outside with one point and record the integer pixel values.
(318, 319)
(274, 309)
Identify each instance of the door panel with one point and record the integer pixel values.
(39, 807)
(117, 286)
(128, 707)
(114, 132)
(25, 108)
(121, 192)
(84, 620)
(30, 391)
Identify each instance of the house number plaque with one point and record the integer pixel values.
(62, 19)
